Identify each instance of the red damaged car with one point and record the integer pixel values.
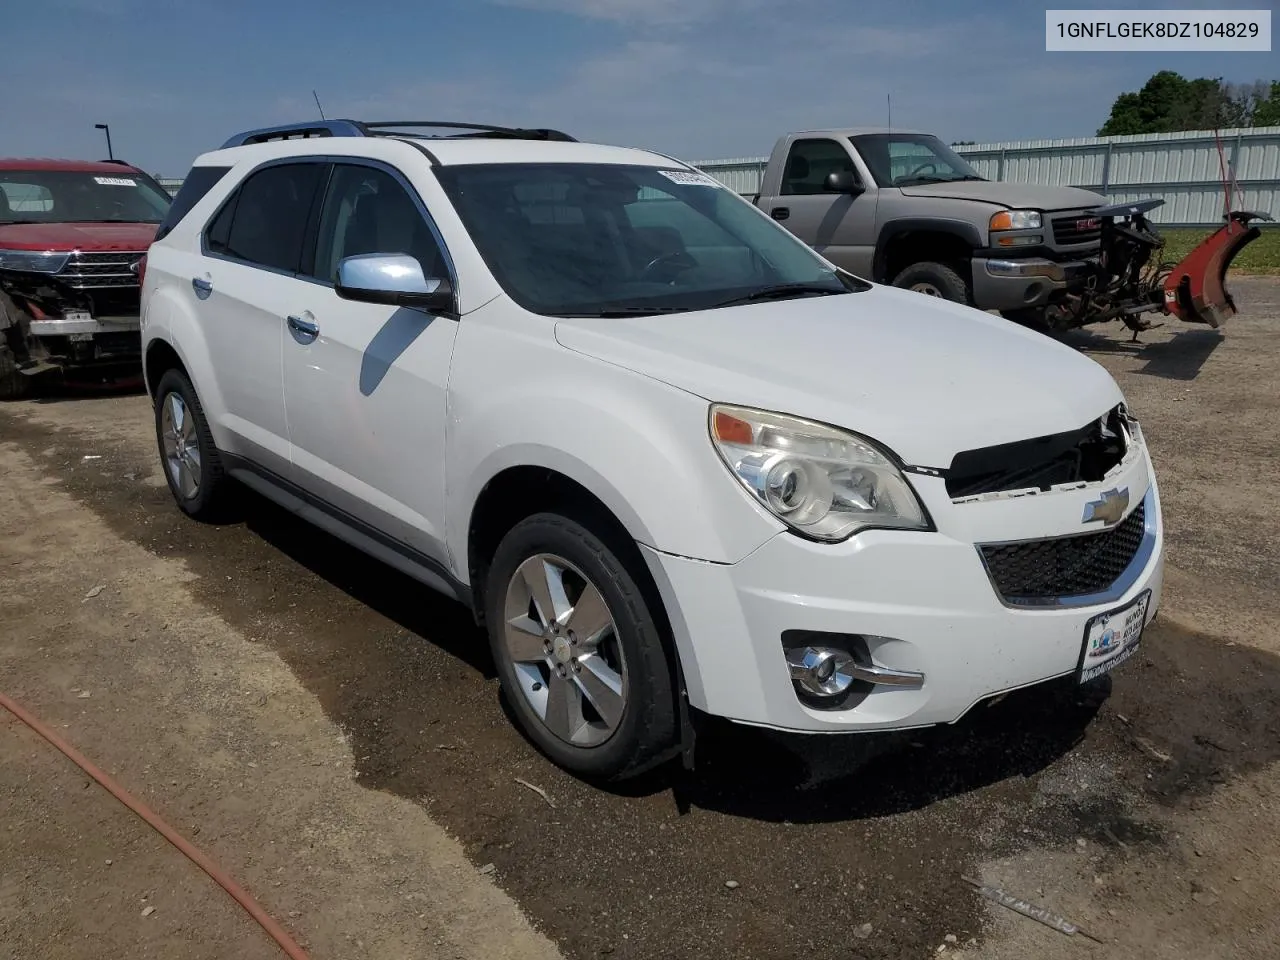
(72, 237)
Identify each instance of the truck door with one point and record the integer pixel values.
(840, 226)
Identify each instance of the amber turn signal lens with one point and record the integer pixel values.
(730, 429)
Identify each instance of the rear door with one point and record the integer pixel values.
(252, 251)
(365, 383)
(841, 227)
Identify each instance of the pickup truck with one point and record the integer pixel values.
(900, 207)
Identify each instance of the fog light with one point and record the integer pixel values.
(820, 671)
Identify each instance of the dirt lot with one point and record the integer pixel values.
(332, 734)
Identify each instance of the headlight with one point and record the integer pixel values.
(1016, 220)
(33, 261)
(822, 482)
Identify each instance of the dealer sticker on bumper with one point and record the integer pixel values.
(1112, 638)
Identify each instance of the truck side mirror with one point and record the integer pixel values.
(843, 181)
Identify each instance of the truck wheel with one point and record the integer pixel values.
(934, 280)
(192, 464)
(578, 651)
(13, 384)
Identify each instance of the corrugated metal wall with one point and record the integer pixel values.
(1183, 168)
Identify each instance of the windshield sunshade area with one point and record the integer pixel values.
(602, 239)
(907, 159)
(72, 196)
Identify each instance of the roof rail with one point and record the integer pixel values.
(388, 128)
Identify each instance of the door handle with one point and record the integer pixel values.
(202, 286)
(302, 330)
(780, 213)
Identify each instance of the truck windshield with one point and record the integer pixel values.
(567, 239)
(73, 196)
(904, 159)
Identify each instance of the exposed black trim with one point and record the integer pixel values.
(462, 590)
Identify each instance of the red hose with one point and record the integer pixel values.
(250, 905)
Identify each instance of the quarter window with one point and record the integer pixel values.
(367, 210)
(265, 221)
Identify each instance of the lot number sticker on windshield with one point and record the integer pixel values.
(690, 178)
(115, 181)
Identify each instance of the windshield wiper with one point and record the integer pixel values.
(781, 292)
(19, 223)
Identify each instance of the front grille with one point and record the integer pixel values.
(91, 271)
(1077, 228)
(1039, 570)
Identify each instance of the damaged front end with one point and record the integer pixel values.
(1131, 280)
(77, 311)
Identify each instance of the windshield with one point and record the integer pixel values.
(70, 196)
(906, 159)
(601, 239)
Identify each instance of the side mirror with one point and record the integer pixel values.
(392, 278)
(843, 181)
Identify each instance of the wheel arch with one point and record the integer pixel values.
(908, 240)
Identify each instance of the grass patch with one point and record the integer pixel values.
(1261, 256)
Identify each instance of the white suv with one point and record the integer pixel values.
(667, 453)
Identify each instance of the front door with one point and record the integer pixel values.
(840, 227)
(365, 383)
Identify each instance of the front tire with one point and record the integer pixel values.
(935, 280)
(13, 382)
(191, 462)
(578, 650)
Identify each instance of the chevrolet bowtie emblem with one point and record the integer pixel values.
(1108, 508)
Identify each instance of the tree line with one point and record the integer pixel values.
(1169, 102)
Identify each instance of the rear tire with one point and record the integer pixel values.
(598, 700)
(935, 280)
(191, 462)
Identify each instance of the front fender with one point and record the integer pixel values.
(639, 446)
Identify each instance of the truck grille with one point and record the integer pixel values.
(1039, 570)
(91, 271)
(1077, 228)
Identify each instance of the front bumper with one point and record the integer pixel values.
(927, 594)
(1008, 284)
(88, 341)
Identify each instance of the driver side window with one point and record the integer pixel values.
(366, 210)
(810, 162)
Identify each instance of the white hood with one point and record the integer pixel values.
(925, 377)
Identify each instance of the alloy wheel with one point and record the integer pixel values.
(563, 643)
(181, 445)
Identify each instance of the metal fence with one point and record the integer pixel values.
(1182, 168)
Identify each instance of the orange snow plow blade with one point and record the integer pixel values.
(1196, 289)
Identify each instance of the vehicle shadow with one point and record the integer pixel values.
(57, 390)
(1180, 358)
(741, 771)
(795, 778)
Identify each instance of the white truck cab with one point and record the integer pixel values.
(667, 453)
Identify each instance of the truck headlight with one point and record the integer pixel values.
(33, 261)
(1016, 220)
(822, 482)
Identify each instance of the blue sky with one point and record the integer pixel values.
(700, 79)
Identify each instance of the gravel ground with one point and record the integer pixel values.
(334, 732)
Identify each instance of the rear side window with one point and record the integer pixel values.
(265, 221)
(199, 182)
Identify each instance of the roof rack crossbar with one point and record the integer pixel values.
(386, 128)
